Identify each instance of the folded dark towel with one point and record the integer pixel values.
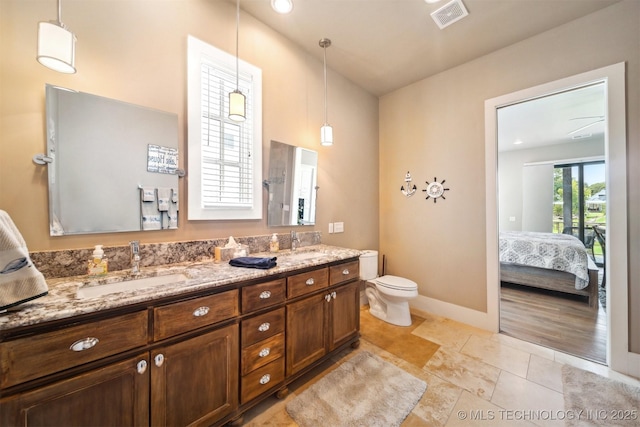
(254, 262)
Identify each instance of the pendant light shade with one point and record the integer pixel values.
(237, 106)
(56, 46)
(237, 101)
(326, 131)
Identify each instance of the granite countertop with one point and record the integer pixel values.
(64, 301)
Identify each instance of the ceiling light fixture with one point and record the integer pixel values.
(326, 131)
(56, 45)
(237, 101)
(282, 6)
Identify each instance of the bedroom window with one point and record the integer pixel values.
(580, 200)
(224, 157)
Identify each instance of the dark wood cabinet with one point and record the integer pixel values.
(114, 395)
(344, 314)
(195, 382)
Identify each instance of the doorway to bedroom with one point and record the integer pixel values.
(551, 194)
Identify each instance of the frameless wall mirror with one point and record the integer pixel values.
(292, 184)
(101, 154)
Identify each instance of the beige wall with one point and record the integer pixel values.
(135, 51)
(436, 128)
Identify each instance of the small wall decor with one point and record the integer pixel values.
(411, 189)
(435, 189)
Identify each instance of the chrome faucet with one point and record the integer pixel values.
(294, 240)
(135, 256)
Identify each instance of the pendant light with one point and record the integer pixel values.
(237, 101)
(326, 131)
(56, 45)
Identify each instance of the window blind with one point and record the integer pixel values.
(226, 162)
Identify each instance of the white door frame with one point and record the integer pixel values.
(618, 356)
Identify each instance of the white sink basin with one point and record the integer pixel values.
(301, 256)
(128, 285)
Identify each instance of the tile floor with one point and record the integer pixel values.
(474, 377)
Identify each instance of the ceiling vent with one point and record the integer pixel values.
(449, 13)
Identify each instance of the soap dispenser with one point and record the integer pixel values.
(97, 263)
(274, 245)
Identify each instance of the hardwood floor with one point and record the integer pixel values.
(558, 322)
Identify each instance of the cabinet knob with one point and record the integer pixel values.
(159, 360)
(345, 272)
(327, 298)
(310, 282)
(264, 327)
(141, 367)
(334, 295)
(265, 294)
(264, 352)
(84, 344)
(265, 379)
(201, 311)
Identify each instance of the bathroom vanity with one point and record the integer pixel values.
(200, 351)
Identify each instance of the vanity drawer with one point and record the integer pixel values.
(36, 356)
(185, 316)
(261, 327)
(261, 353)
(344, 272)
(263, 295)
(304, 283)
(261, 380)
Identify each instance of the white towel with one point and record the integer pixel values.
(164, 197)
(20, 280)
(150, 217)
(172, 212)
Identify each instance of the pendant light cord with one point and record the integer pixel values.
(325, 84)
(237, 44)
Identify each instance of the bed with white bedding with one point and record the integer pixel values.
(551, 261)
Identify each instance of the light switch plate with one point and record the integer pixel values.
(330, 228)
(338, 227)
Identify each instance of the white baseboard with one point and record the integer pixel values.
(455, 312)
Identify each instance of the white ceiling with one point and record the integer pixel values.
(383, 45)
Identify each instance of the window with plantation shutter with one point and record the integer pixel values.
(224, 156)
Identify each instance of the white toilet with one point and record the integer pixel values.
(388, 295)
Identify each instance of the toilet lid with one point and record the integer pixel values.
(399, 283)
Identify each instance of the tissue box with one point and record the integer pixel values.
(223, 254)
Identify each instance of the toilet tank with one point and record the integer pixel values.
(368, 265)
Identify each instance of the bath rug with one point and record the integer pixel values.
(363, 391)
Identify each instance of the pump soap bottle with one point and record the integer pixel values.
(274, 245)
(98, 263)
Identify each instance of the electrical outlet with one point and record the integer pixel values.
(338, 227)
(330, 228)
(512, 219)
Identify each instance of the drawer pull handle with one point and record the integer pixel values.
(334, 295)
(265, 294)
(345, 272)
(264, 352)
(264, 327)
(201, 311)
(159, 359)
(265, 379)
(310, 282)
(142, 366)
(84, 344)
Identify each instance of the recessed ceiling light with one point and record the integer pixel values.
(282, 6)
(431, 1)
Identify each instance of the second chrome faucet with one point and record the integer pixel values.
(295, 242)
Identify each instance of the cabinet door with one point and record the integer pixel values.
(305, 332)
(344, 314)
(195, 382)
(115, 395)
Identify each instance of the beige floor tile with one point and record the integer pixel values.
(497, 354)
(446, 332)
(438, 401)
(464, 371)
(471, 410)
(414, 421)
(538, 350)
(545, 372)
(523, 399)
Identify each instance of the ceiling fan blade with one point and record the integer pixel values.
(585, 126)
